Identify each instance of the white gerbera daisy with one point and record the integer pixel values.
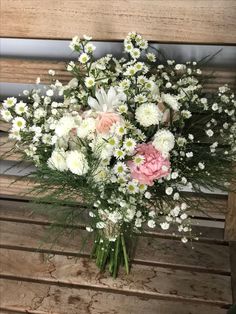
(18, 123)
(164, 141)
(21, 108)
(148, 114)
(77, 162)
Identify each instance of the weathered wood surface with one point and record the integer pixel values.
(144, 281)
(27, 70)
(202, 21)
(232, 245)
(230, 222)
(37, 298)
(199, 256)
(27, 212)
(20, 187)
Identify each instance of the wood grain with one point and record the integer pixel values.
(43, 299)
(172, 253)
(27, 212)
(230, 222)
(232, 246)
(202, 21)
(27, 70)
(144, 281)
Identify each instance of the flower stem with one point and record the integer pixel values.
(126, 259)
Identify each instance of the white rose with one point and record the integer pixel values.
(57, 161)
(164, 141)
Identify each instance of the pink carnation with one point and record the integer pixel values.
(105, 120)
(155, 166)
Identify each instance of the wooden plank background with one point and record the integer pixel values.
(189, 21)
(27, 70)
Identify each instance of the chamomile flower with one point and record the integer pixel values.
(9, 102)
(21, 108)
(129, 144)
(84, 58)
(14, 135)
(139, 66)
(138, 160)
(120, 130)
(89, 48)
(129, 47)
(123, 108)
(120, 168)
(143, 44)
(125, 84)
(119, 154)
(151, 57)
(89, 81)
(18, 123)
(132, 187)
(142, 188)
(140, 98)
(113, 141)
(130, 71)
(6, 115)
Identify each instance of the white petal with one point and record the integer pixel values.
(93, 103)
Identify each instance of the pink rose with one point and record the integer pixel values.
(155, 166)
(105, 120)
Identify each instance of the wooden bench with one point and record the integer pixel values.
(167, 277)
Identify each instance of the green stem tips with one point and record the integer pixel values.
(111, 254)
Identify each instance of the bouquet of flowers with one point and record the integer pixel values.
(127, 137)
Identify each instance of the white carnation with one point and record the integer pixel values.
(86, 127)
(171, 101)
(77, 163)
(57, 161)
(164, 141)
(148, 114)
(64, 125)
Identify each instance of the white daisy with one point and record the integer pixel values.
(89, 81)
(21, 108)
(129, 144)
(138, 160)
(120, 168)
(9, 102)
(84, 58)
(119, 154)
(18, 123)
(6, 115)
